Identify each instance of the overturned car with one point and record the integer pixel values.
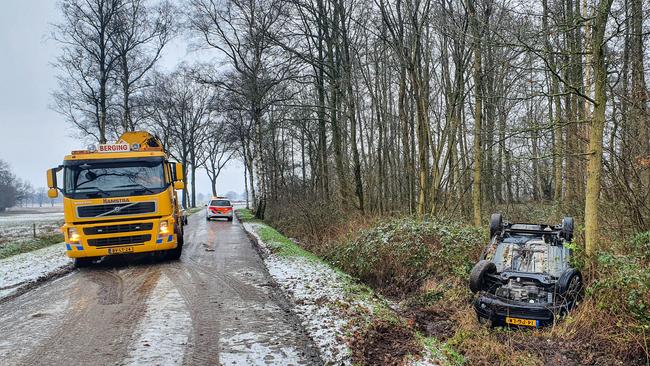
(524, 277)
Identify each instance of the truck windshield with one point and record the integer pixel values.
(87, 179)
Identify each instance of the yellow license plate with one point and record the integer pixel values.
(519, 321)
(120, 250)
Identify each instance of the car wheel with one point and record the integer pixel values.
(496, 224)
(567, 228)
(83, 262)
(175, 254)
(485, 321)
(207, 218)
(477, 278)
(230, 219)
(570, 288)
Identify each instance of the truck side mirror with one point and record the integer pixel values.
(179, 184)
(52, 192)
(178, 169)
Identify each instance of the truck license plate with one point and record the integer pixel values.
(120, 250)
(519, 321)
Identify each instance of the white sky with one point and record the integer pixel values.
(34, 138)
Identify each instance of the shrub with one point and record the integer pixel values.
(623, 288)
(398, 255)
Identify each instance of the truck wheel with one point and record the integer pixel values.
(477, 278)
(567, 228)
(496, 224)
(175, 254)
(83, 262)
(570, 288)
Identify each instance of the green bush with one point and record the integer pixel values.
(640, 247)
(398, 255)
(622, 287)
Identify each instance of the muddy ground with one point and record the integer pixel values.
(217, 305)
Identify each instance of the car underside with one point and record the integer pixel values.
(524, 276)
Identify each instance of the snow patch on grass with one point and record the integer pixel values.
(20, 227)
(325, 299)
(314, 289)
(22, 270)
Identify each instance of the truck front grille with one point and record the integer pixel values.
(123, 228)
(120, 240)
(116, 209)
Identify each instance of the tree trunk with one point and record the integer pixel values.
(478, 108)
(594, 171)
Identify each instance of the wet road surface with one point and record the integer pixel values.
(216, 306)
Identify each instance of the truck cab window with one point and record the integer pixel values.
(115, 178)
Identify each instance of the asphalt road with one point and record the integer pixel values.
(216, 306)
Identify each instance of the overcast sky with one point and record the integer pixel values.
(34, 137)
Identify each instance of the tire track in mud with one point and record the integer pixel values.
(248, 320)
(111, 287)
(99, 324)
(203, 345)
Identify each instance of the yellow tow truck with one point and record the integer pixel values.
(120, 198)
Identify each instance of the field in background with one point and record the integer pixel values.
(27, 229)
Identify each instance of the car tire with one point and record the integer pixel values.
(175, 254)
(83, 262)
(477, 278)
(207, 218)
(496, 224)
(570, 288)
(485, 321)
(567, 228)
(230, 219)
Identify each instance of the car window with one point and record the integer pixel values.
(220, 203)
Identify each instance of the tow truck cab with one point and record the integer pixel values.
(120, 198)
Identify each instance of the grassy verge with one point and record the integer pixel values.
(13, 248)
(246, 215)
(376, 332)
(193, 210)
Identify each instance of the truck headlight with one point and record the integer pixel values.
(163, 228)
(73, 235)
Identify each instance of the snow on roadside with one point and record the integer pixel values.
(310, 286)
(22, 270)
(318, 294)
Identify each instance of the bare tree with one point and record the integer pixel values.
(179, 111)
(142, 30)
(87, 63)
(239, 31)
(219, 148)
